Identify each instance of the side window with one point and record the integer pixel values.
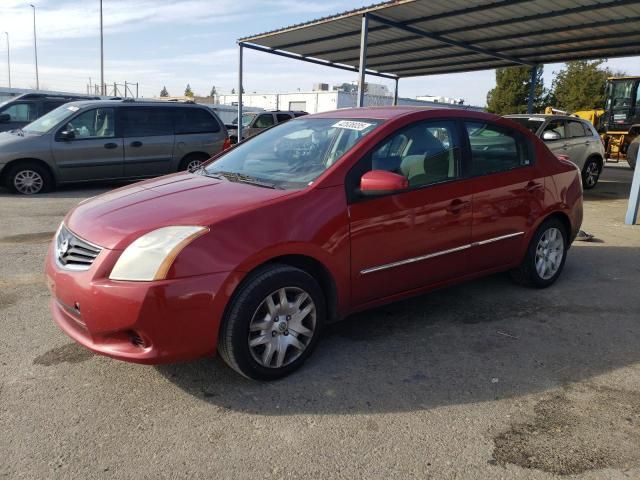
(425, 153)
(48, 106)
(96, 123)
(495, 149)
(264, 120)
(194, 120)
(146, 122)
(21, 112)
(283, 117)
(555, 126)
(575, 129)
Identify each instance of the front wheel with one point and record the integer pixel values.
(632, 153)
(273, 323)
(28, 178)
(545, 256)
(591, 173)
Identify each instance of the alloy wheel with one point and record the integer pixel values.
(282, 327)
(592, 172)
(549, 253)
(194, 165)
(28, 182)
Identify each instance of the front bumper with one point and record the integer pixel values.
(143, 322)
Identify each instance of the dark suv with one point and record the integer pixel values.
(108, 140)
(255, 122)
(24, 109)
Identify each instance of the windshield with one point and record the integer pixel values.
(531, 123)
(292, 154)
(246, 119)
(51, 119)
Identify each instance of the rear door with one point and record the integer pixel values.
(96, 152)
(148, 140)
(508, 193)
(578, 141)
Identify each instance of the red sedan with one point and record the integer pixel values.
(304, 224)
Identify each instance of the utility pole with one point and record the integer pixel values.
(102, 85)
(8, 59)
(35, 45)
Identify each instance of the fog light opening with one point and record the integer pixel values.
(136, 339)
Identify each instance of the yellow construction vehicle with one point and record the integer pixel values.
(620, 124)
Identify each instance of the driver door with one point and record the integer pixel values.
(415, 238)
(96, 151)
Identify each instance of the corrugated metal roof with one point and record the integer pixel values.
(425, 37)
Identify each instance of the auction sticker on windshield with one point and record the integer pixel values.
(351, 125)
(73, 108)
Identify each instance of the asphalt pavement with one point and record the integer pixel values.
(485, 380)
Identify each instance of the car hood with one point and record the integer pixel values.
(9, 140)
(113, 220)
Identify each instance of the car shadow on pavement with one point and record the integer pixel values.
(484, 340)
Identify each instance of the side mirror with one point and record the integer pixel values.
(5, 117)
(67, 135)
(550, 136)
(380, 182)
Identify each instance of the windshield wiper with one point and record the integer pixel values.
(242, 178)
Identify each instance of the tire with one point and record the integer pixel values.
(632, 153)
(29, 178)
(591, 173)
(528, 272)
(251, 341)
(192, 162)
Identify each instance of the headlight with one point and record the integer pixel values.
(150, 256)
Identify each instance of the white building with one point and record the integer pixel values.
(321, 101)
(441, 99)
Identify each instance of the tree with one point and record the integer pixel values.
(580, 85)
(164, 92)
(511, 93)
(188, 92)
(213, 92)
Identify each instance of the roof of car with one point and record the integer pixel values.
(545, 116)
(129, 102)
(389, 112)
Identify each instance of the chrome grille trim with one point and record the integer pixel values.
(73, 252)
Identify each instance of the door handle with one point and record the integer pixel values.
(110, 145)
(533, 187)
(135, 144)
(457, 205)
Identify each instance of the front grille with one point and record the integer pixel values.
(74, 253)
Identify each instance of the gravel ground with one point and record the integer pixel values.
(486, 380)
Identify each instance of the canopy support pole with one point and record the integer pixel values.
(240, 92)
(364, 30)
(634, 196)
(395, 93)
(532, 88)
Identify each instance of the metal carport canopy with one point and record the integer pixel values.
(410, 38)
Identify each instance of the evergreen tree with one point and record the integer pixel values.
(164, 92)
(511, 93)
(580, 85)
(188, 92)
(213, 92)
(233, 91)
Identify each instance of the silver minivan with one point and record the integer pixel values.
(571, 136)
(108, 140)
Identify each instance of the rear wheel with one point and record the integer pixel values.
(591, 173)
(28, 178)
(273, 323)
(193, 162)
(545, 256)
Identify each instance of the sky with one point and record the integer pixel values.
(171, 43)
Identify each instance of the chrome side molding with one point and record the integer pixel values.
(438, 254)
